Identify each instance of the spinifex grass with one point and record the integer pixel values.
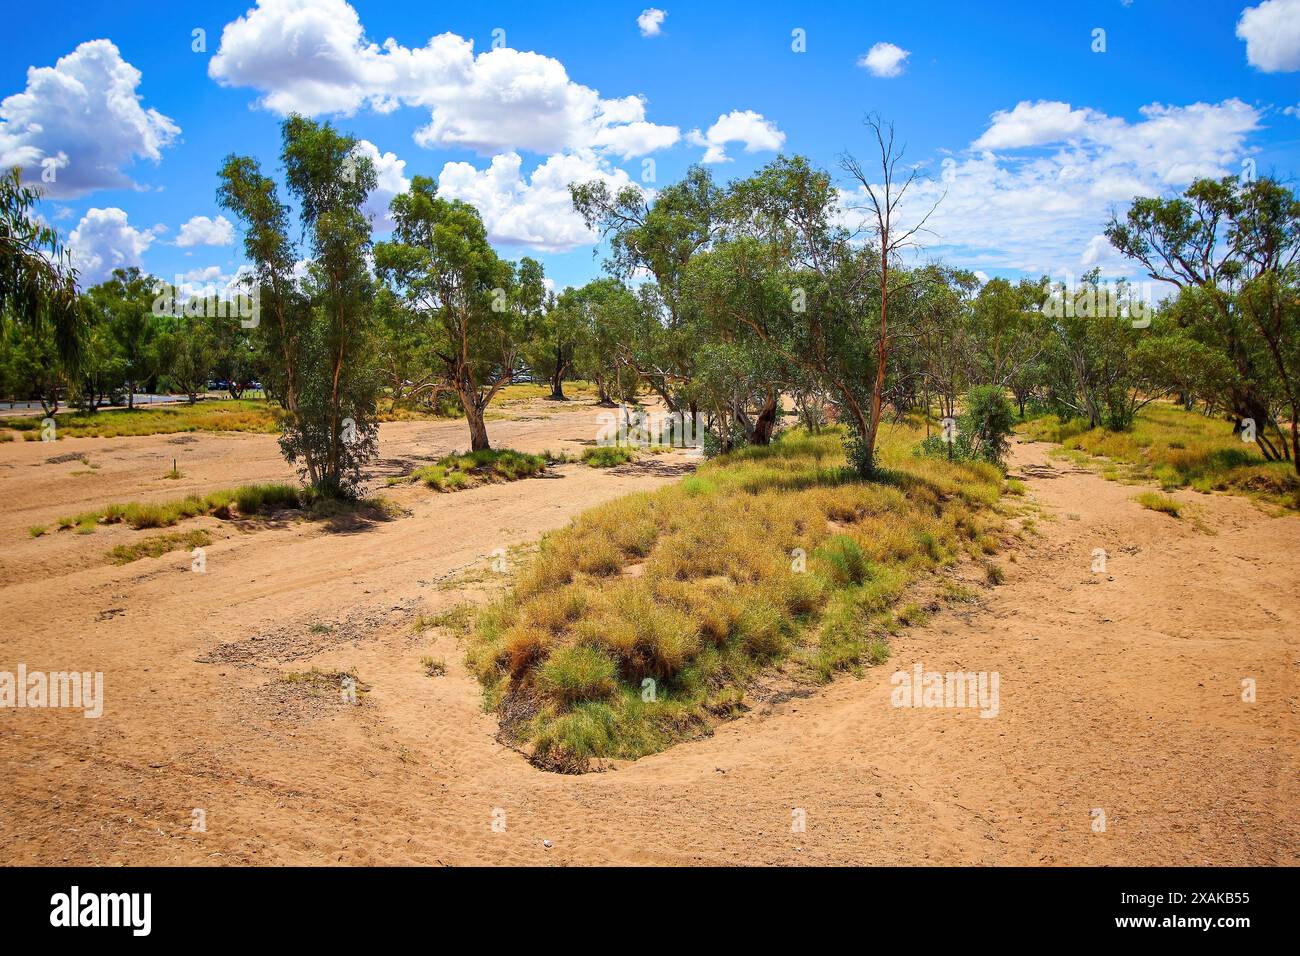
(1155, 501)
(456, 472)
(643, 621)
(158, 545)
(608, 456)
(247, 500)
(1179, 449)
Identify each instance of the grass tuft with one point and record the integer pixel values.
(158, 545)
(247, 501)
(1158, 502)
(460, 471)
(608, 456)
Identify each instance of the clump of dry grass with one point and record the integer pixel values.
(247, 500)
(643, 621)
(1179, 449)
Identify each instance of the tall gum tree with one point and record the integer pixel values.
(475, 306)
(317, 332)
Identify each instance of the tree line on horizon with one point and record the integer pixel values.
(718, 299)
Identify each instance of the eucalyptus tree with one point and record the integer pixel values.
(832, 318)
(315, 316)
(1230, 249)
(659, 238)
(125, 304)
(38, 282)
(607, 316)
(474, 307)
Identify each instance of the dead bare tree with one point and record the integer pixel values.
(883, 201)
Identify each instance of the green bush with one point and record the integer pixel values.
(983, 429)
(577, 673)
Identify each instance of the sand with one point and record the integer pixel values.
(1120, 692)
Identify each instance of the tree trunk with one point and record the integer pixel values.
(1295, 438)
(882, 356)
(765, 423)
(557, 379)
(478, 436)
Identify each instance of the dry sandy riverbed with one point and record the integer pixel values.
(1120, 692)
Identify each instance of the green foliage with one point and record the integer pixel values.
(983, 429)
(316, 335)
(124, 303)
(460, 471)
(607, 456)
(38, 284)
(1229, 247)
(473, 309)
(30, 366)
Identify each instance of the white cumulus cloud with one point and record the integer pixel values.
(103, 241)
(1272, 34)
(1039, 203)
(530, 210)
(313, 57)
(746, 127)
(83, 119)
(390, 173)
(651, 21)
(884, 59)
(1033, 124)
(202, 231)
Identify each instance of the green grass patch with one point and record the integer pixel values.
(1177, 448)
(158, 545)
(460, 471)
(245, 501)
(643, 622)
(608, 456)
(528, 391)
(226, 415)
(1155, 501)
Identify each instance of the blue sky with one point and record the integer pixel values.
(1031, 135)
